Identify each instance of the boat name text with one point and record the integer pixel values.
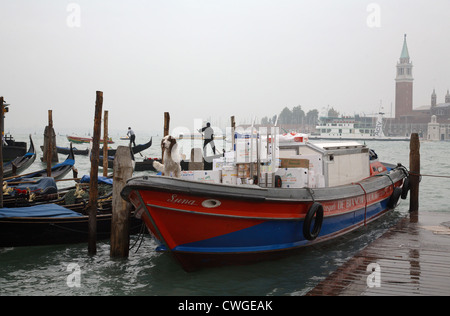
(177, 200)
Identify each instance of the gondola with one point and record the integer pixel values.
(59, 171)
(38, 191)
(111, 152)
(13, 149)
(47, 230)
(76, 151)
(56, 222)
(20, 164)
(136, 149)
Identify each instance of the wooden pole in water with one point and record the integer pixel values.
(414, 175)
(93, 184)
(49, 151)
(105, 144)
(120, 234)
(166, 123)
(166, 132)
(233, 128)
(2, 108)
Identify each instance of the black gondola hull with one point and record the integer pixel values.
(21, 231)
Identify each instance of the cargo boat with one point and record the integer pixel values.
(203, 223)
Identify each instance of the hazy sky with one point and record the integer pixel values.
(211, 59)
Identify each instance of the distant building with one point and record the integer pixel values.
(433, 129)
(404, 84)
(416, 120)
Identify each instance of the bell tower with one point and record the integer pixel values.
(433, 98)
(404, 84)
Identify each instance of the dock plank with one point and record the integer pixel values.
(413, 259)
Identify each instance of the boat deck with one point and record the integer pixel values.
(413, 258)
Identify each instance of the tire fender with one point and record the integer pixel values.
(393, 200)
(317, 210)
(405, 188)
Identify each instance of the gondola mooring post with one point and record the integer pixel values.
(166, 123)
(2, 108)
(105, 144)
(166, 131)
(120, 231)
(414, 173)
(93, 184)
(49, 145)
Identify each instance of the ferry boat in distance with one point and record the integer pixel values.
(353, 128)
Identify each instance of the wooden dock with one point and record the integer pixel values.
(411, 259)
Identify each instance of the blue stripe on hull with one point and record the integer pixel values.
(281, 234)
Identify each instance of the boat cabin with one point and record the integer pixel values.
(331, 164)
(272, 162)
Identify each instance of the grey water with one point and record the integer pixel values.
(68, 270)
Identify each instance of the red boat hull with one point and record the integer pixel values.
(208, 229)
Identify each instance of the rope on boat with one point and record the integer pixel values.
(140, 237)
(365, 202)
(428, 175)
(311, 192)
(408, 172)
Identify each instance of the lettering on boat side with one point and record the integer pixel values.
(226, 306)
(351, 203)
(174, 199)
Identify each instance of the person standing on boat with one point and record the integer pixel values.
(208, 138)
(132, 136)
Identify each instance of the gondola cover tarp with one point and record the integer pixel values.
(46, 210)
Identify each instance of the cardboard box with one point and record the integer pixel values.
(246, 153)
(210, 176)
(230, 157)
(293, 177)
(187, 175)
(244, 170)
(218, 163)
(294, 163)
(229, 175)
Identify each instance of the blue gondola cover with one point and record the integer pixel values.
(46, 210)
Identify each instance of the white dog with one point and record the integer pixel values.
(171, 158)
